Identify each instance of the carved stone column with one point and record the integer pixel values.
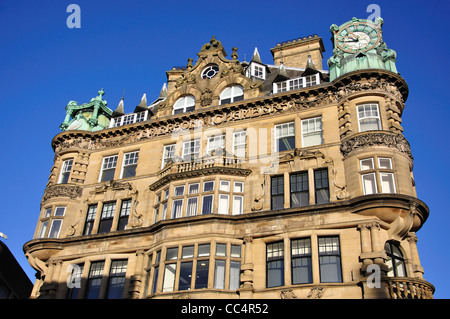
(136, 279)
(415, 261)
(246, 290)
(50, 285)
(366, 245)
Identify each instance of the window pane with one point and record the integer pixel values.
(55, 228)
(366, 164)
(187, 252)
(92, 210)
(177, 208)
(277, 192)
(275, 264)
(184, 282)
(108, 168)
(59, 211)
(224, 186)
(172, 253)
(203, 250)
(179, 190)
(330, 259)
(301, 270)
(223, 204)
(208, 186)
(384, 163)
(169, 277)
(369, 184)
(301, 261)
(299, 189)
(193, 188)
(238, 204)
(387, 183)
(207, 204)
(219, 274)
(116, 281)
(48, 212)
(235, 272)
(221, 250)
(155, 279)
(236, 251)
(201, 280)
(124, 213)
(94, 280)
(321, 186)
(43, 229)
(192, 204)
(238, 187)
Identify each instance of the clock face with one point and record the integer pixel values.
(357, 37)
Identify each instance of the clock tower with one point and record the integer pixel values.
(358, 44)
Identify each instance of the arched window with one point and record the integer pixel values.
(184, 104)
(232, 94)
(395, 260)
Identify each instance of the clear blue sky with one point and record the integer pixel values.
(128, 45)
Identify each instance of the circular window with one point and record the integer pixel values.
(210, 71)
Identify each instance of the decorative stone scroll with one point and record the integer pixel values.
(378, 138)
(71, 191)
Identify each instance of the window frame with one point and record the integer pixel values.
(337, 254)
(275, 259)
(290, 136)
(64, 175)
(133, 159)
(376, 171)
(166, 158)
(272, 195)
(233, 96)
(184, 104)
(113, 169)
(312, 133)
(377, 117)
(193, 145)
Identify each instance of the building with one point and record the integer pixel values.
(14, 282)
(242, 180)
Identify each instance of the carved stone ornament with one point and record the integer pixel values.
(267, 106)
(287, 294)
(206, 98)
(393, 140)
(71, 191)
(316, 293)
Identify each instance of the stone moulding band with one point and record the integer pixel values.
(376, 138)
(291, 101)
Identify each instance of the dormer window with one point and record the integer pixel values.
(232, 94)
(184, 104)
(256, 70)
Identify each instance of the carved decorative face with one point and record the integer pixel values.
(358, 37)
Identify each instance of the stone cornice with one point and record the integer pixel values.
(269, 105)
(353, 205)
